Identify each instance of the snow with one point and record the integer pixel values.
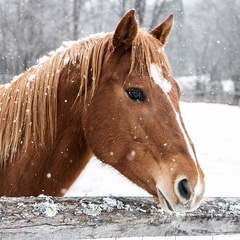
(228, 85)
(95, 35)
(42, 60)
(66, 60)
(47, 207)
(108, 205)
(188, 83)
(214, 130)
(32, 77)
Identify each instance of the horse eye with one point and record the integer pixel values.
(136, 94)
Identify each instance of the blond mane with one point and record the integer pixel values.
(28, 105)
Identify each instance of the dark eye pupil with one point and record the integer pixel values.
(136, 94)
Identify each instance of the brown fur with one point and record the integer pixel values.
(59, 113)
(29, 107)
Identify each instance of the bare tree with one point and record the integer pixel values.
(158, 9)
(77, 12)
(140, 7)
(204, 41)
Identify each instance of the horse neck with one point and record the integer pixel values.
(50, 171)
(52, 168)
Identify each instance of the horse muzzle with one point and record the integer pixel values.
(183, 199)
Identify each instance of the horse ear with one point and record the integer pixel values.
(126, 31)
(163, 30)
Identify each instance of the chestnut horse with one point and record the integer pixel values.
(111, 95)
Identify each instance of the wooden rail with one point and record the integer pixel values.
(106, 217)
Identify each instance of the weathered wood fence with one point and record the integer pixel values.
(106, 217)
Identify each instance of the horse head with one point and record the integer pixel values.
(133, 120)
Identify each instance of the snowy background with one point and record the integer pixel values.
(205, 40)
(204, 54)
(215, 132)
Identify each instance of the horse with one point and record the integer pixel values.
(111, 95)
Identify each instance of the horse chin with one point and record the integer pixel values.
(172, 208)
(165, 204)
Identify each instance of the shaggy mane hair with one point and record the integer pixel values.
(28, 105)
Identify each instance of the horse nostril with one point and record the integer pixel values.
(184, 190)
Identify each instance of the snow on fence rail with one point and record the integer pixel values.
(112, 217)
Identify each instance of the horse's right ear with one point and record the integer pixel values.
(163, 30)
(126, 31)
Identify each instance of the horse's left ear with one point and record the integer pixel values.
(163, 30)
(126, 31)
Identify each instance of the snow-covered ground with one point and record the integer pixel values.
(215, 132)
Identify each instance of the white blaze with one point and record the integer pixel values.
(166, 86)
(163, 83)
(190, 149)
